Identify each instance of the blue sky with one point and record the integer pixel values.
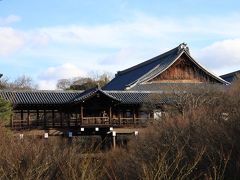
(49, 39)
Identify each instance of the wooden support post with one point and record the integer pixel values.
(21, 114)
(81, 116)
(134, 117)
(68, 117)
(21, 122)
(110, 115)
(61, 119)
(53, 118)
(119, 117)
(44, 118)
(38, 117)
(76, 120)
(28, 118)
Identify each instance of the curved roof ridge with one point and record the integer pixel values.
(207, 71)
(147, 61)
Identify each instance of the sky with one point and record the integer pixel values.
(55, 39)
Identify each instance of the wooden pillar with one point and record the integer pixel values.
(28, 118)
(44, 118)
(21, 122)
(134, 116)
(38, 117)
(21, 114)
(76, 120)
(53, 118)
(61, 119)
(110, 115)
(68, 119)
(81, 116)
(119, 117)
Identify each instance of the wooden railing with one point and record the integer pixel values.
(77, 122)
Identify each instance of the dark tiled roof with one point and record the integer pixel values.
(141, 73)
(129, 76)
(39, 97)
(88, 93)
(168, 87)
(132, 97)
(230, 76)
(67, 97)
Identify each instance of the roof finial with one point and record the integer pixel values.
(183, 46)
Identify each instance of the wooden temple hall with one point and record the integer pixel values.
(118, 104)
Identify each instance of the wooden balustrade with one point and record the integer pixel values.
(77, 122)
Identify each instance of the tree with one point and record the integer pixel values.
(5, 111)
(184, 99)
(64, 84)
(21, 83)
(84, 83)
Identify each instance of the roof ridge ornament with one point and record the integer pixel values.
(183, 46)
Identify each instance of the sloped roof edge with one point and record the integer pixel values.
(149, 61)
(142, 79)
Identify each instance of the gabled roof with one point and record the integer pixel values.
(230, 76)
(90, 93)
(149, 69)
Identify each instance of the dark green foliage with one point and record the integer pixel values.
(5, 111)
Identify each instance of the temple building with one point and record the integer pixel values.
(118, 104)
(230, 77)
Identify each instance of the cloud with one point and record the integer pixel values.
(48, 78)
(221, 56)
(144, 29)
(9, 19)
(118, 45)
(10, 40)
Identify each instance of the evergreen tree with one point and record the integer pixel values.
(5, 111)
